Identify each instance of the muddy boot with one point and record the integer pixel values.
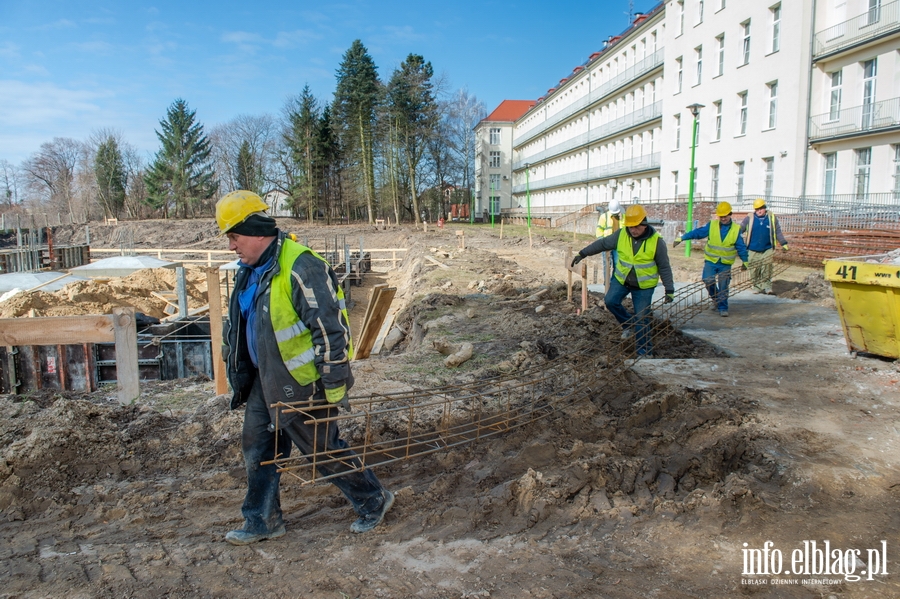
(370, 521)
(245, 537)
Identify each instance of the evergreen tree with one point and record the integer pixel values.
(248, 170)
(181, 174)
(415, 111)
(302, 142)
(355, 101)
(109, 168)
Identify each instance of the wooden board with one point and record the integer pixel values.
(381, 303)
(56, 330)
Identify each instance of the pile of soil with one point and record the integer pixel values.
(101, 296)
(813, 289)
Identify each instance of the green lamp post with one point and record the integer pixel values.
(695, 111)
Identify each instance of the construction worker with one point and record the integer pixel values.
(607, 224)
(642, 261)
(763, 234)
(287, 340)
(724, 244)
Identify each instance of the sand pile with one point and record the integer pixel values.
(101, 296)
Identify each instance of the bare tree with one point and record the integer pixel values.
(50, 173)
(10, 181)
(465, 111)
(261, 135)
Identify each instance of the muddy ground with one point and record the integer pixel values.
(759, 427)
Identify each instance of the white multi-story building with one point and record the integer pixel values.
(794, 99)
(743, 62)
(595, 136)
(493, 157)
(854, 122)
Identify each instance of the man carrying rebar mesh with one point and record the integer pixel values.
(723, 245)
(642, 260)
(288, 341)
(763, 233)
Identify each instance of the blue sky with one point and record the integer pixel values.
(71, 67)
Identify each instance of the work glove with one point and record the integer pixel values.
(785, 247)
(670, 297)
(578, 258)
(676, 242)
(338, 396)
(743, 266)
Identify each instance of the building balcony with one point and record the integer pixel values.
(629, 75)
(638, 164)
(859, 120)
(871, 25)
(631, 120)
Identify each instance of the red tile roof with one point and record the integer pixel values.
(510, 110)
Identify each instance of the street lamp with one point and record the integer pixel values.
(695, 111)
(528, 192)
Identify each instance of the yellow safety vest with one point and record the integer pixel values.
(717, 249)
(643, 263)
(294, 339)
(771, 217)
(605, 224)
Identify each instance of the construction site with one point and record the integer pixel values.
(532, 452)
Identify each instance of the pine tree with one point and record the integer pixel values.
(247, 169)
(181, 174)
(415, 111)
(355, 100)
(109, 168)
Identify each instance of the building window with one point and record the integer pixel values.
(830, 174)
(863, 167)
(495, 205)
(870, 70)
(699, 12)
(699, 52)
(495, 136)
(679, 65)
(714, 181)
(718, 107)
(776, 27)
(742, 113)
(739, 179)
(834, 107)
(720, 53)
(675, 183)
(495, 183)
(745, 44)
(769, 170)
(874, 13)
(680, 8)
(773, 104)
(495, 159)
(677, 131)
(896, 171)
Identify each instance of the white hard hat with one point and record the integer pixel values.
(614, 207)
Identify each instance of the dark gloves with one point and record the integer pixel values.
(338, 396)
(578, 258)
(670, 297)
(676, 242)
(743, 266)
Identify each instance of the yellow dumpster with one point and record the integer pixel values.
(867, 292)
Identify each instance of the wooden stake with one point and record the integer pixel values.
(214, 297)
(125, 332)
(501, 228)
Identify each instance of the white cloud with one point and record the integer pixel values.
(289, 39)
(9, 50)
(59, 24)
(29, 104)
(97, 47)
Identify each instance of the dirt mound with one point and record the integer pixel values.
(101, 296)
(813, 289)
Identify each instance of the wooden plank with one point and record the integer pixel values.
(125, 332)
(216, 328)
(370, 332)
(385, 329)
(376, 291)
(53, 330)
(441, 264)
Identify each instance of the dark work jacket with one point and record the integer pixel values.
(313, 293)
(609, 243)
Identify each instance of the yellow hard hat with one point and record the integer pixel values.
(634, 215)
(757, 204)
(723, 209)
(234, 208)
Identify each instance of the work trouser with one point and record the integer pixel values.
(760, 265)
(640, 319)
(717, 278)
(262, 503)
